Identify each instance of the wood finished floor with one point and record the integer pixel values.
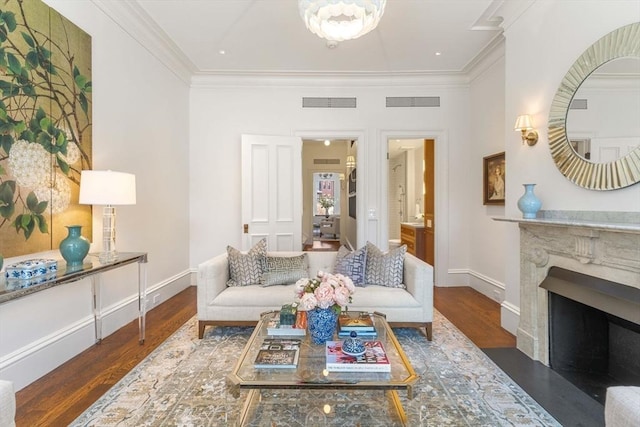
(62, 395)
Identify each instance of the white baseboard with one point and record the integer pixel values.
(509, 317)
(481, 283)
(30, 362)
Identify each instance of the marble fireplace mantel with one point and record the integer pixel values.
(599, 244)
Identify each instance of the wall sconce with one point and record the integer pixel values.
(351, 162)
(524, 125)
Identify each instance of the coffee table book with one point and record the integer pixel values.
(277, 354)
(358, 322)
(274, 328)
(373, 360)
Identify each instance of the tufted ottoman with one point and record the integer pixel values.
(7, 404)
(622, 407)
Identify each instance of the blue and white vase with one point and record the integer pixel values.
(75, 247)
(529, 204)
(322, 324)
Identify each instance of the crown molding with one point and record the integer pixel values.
(134, 21)
(330, 80)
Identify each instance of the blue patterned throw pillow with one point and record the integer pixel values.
(246, 269)
(385, 269)
(352, 264)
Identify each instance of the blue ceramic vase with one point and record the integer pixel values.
(75, 247)
(322, 324)
(529, 204)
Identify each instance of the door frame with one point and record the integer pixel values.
(441, 190)
(361, 152)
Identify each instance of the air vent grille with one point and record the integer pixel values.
(578, 104)
(413, 101)
(326, 161)
(328, 102)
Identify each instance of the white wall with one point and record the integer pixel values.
(486, 236)
(222, 110)
(140, 115)
(541, 46)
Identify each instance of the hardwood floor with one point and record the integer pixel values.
(61, 396)
(477, 316)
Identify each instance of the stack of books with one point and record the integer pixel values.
(278, 353)
(275, 328)
(362, 323)
(374, 358)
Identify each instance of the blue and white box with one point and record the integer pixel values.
(32, 268)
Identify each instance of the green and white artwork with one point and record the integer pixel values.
(45, 126)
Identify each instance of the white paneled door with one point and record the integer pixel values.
(272, 191)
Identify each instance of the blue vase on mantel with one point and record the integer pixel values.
(322, 324)
(75, 247)
(529, 204)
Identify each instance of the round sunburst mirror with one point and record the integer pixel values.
(594, 150)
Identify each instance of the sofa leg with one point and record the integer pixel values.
(429, 331)
(201, 326)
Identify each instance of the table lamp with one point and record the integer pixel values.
(107, 188)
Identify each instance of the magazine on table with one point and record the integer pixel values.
(374, 358)
(278, 353)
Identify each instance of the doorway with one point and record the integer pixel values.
(411, 195)
(326, 223)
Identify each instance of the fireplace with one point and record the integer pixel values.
(589, 345)
(601, 245)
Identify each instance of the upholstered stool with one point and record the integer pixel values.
(622, 407)
(7, 404)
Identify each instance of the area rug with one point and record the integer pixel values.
(183, 383)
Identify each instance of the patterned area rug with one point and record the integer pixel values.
(183, 383)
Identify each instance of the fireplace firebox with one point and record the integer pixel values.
(590, 345)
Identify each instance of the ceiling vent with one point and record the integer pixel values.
(413, 101)
(328, 102)
(326, 161)
(578, 104)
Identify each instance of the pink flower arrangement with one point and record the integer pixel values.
(326, 291)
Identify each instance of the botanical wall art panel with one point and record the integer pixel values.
(45, 126)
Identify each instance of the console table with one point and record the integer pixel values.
(92, 268)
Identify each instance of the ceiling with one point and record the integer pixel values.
(268, 36)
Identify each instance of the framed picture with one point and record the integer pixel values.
(493, 173)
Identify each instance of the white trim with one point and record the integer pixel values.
(137, 23)
(509, 317)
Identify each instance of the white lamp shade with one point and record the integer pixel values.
(523, 123)
(107, 188)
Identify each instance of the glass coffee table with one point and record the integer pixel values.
(310, 395)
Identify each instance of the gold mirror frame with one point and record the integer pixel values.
(623, 42)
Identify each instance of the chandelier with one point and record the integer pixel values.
(339, 20)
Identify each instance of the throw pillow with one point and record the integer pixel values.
(352, 264)
(246, 269)
(385, 269)
(284, 270)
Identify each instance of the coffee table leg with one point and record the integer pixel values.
(395, 399)
(247, 408)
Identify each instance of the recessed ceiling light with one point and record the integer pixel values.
(222, 52)
(438, 53)
(327, 142)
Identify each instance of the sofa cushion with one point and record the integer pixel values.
(385, 269)
(246, 269)
(352, 264)
(280, 270)
(255, 296)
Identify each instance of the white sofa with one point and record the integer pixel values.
(220, 305)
